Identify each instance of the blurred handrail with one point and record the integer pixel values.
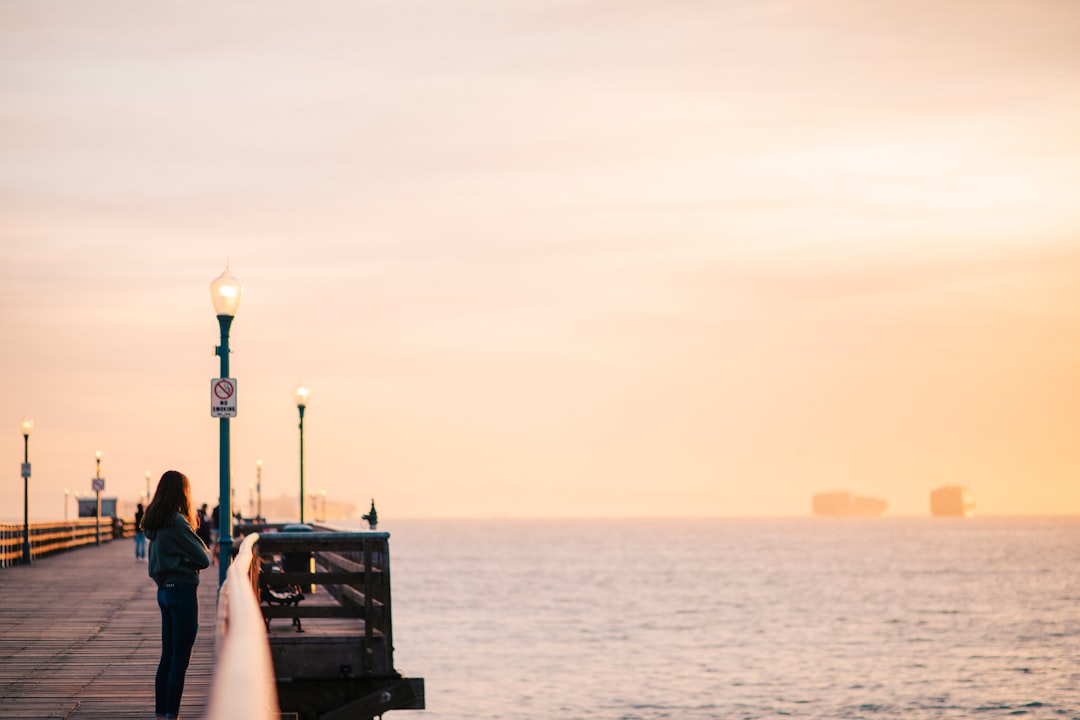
(244, 687)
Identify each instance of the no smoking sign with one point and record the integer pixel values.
(223, 397)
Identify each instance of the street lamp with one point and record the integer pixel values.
(322, 493)
(147, 487)
(251, 500)
(258, 488)
(97, 490)
(26, 426)
(225, 292)
(67, 492)
(302, 394)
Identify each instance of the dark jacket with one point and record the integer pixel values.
(203, 531)
(176, 554)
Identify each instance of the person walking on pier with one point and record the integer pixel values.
(140, 536)
(176, 557)
(203, 528)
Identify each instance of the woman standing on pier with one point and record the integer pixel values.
(176, 557)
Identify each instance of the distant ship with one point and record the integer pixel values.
(844, 504)
(952, 501)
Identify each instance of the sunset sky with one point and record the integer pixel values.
(547, 258)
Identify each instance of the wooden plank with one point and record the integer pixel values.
(312, 611)
(314, 541)
(274, 580)
(403, 693)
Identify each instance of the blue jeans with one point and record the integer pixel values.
(179, 623)
(140, 545)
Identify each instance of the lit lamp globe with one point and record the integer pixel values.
(302, 394)
(225, 292)
(26, 426)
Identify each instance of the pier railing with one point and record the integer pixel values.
(51, 537)
(244, 685)
(341, 664)
(353, 568)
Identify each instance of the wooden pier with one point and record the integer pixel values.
(80, 630)
(80, 637)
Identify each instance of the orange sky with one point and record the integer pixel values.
(579, 258)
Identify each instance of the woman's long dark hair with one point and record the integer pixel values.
(173, 495)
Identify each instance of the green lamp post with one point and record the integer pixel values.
(258, 489)
(302, 394)
(26, 426)
(97, 491)
(225, 292)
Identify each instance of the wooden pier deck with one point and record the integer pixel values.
(80, 637)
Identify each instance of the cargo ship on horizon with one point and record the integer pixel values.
(952, 501)
(845, 504)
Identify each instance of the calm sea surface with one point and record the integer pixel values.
(804, 618)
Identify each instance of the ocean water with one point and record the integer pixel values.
(786, 618)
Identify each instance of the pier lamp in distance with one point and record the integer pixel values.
(302, 394)
(26, 426)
